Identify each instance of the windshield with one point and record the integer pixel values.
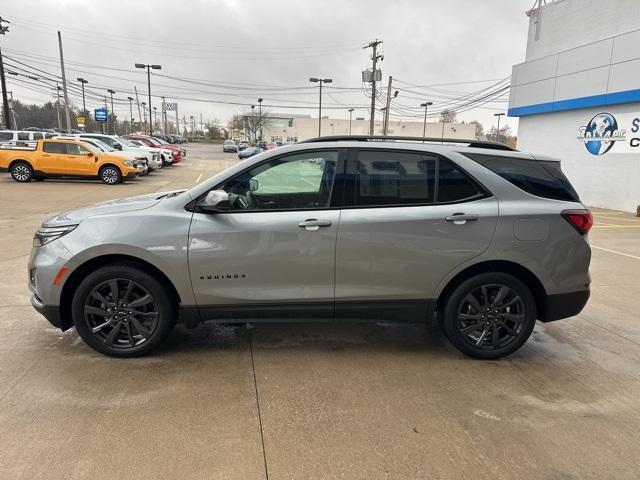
(160, 141)
(127, 143)
(99, 144)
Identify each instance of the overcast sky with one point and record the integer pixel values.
(236, 51)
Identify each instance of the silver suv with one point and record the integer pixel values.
(482, 238)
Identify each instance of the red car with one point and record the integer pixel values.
(177, 153)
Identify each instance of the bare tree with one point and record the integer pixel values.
(448, 116)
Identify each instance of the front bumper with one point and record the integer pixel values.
(50, 312)
(564, 305)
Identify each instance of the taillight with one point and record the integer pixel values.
(581, 220)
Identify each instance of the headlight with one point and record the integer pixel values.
(130, 163)
(45, 235)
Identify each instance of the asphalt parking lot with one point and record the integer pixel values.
(315, 401)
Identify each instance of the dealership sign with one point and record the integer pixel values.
(605, 132)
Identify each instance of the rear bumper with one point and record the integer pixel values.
(564, 305)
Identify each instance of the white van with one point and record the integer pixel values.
(20, 138)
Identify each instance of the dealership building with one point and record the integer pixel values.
(294, 128)
(577, 96)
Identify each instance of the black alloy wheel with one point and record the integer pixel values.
(490, 315)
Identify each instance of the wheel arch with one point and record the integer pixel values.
(16, 160)
(503, 266)
(109, 164)
(92, 264)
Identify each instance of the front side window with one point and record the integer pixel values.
(294, 182)
(23, 135)
(75, 149)
(385, 178)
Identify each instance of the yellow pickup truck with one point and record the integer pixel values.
(65, 158)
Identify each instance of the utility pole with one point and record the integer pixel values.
(498, 129)
(201, 127)
(350, 113)
(138, 104)
(260, 116)
(144, 112)
(13, 111)
(177, 121)
(58, 105)
(64, 86)
(111, 117)
(130, 113)
(424, 127)
(386, 112)
(5, 101)
(374, 57)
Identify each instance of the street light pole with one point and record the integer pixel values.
(424, 126)
(112, 122)
(498, 129)
(350, 113)
(253, 124)
(149, 68)
(84, 105)
(320, 81)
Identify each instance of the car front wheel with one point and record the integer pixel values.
(110, 175)
(122, 311)
(490, 315)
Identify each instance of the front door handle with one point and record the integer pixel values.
(461, 218)
(313, 224)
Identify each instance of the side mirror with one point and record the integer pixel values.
(215, 201)
(117, 146)
(89, 154)
(253, 184)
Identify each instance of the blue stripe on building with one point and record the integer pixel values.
(613, 98)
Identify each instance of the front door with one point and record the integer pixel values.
(398, 235)
(272, 255)
(79, 160)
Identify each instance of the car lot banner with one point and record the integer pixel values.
(608, 132)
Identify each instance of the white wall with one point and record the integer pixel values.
(569, 23)
(611, 180)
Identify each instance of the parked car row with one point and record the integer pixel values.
(110, 158)
(244, 149)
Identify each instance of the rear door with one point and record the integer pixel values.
(409, 219)
(53, 158)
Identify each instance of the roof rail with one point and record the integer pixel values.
(381, 138)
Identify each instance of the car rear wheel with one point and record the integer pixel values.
(121, 311)
(21, 172)
(110, 175)
(490, 315)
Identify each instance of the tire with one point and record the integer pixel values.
(110, 175)
(21, 172)
(490, 315)
(129, 323)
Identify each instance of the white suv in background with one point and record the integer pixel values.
(24, 138)
(123, 145)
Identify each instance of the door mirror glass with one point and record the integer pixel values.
(215, 201)
(254, 184)
(89, 154)
(117, 146)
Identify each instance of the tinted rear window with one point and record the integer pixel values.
(54, 147)
(542, 179)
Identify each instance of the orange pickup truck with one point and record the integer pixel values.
(65, 158)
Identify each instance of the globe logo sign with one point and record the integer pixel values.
(600, 134)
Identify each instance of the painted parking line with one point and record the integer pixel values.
(616, 252)
(199, 178)
(626, 219)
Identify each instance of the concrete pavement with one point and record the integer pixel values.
(315, 401)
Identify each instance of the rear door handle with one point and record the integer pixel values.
(461, 218)
(313, 224)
